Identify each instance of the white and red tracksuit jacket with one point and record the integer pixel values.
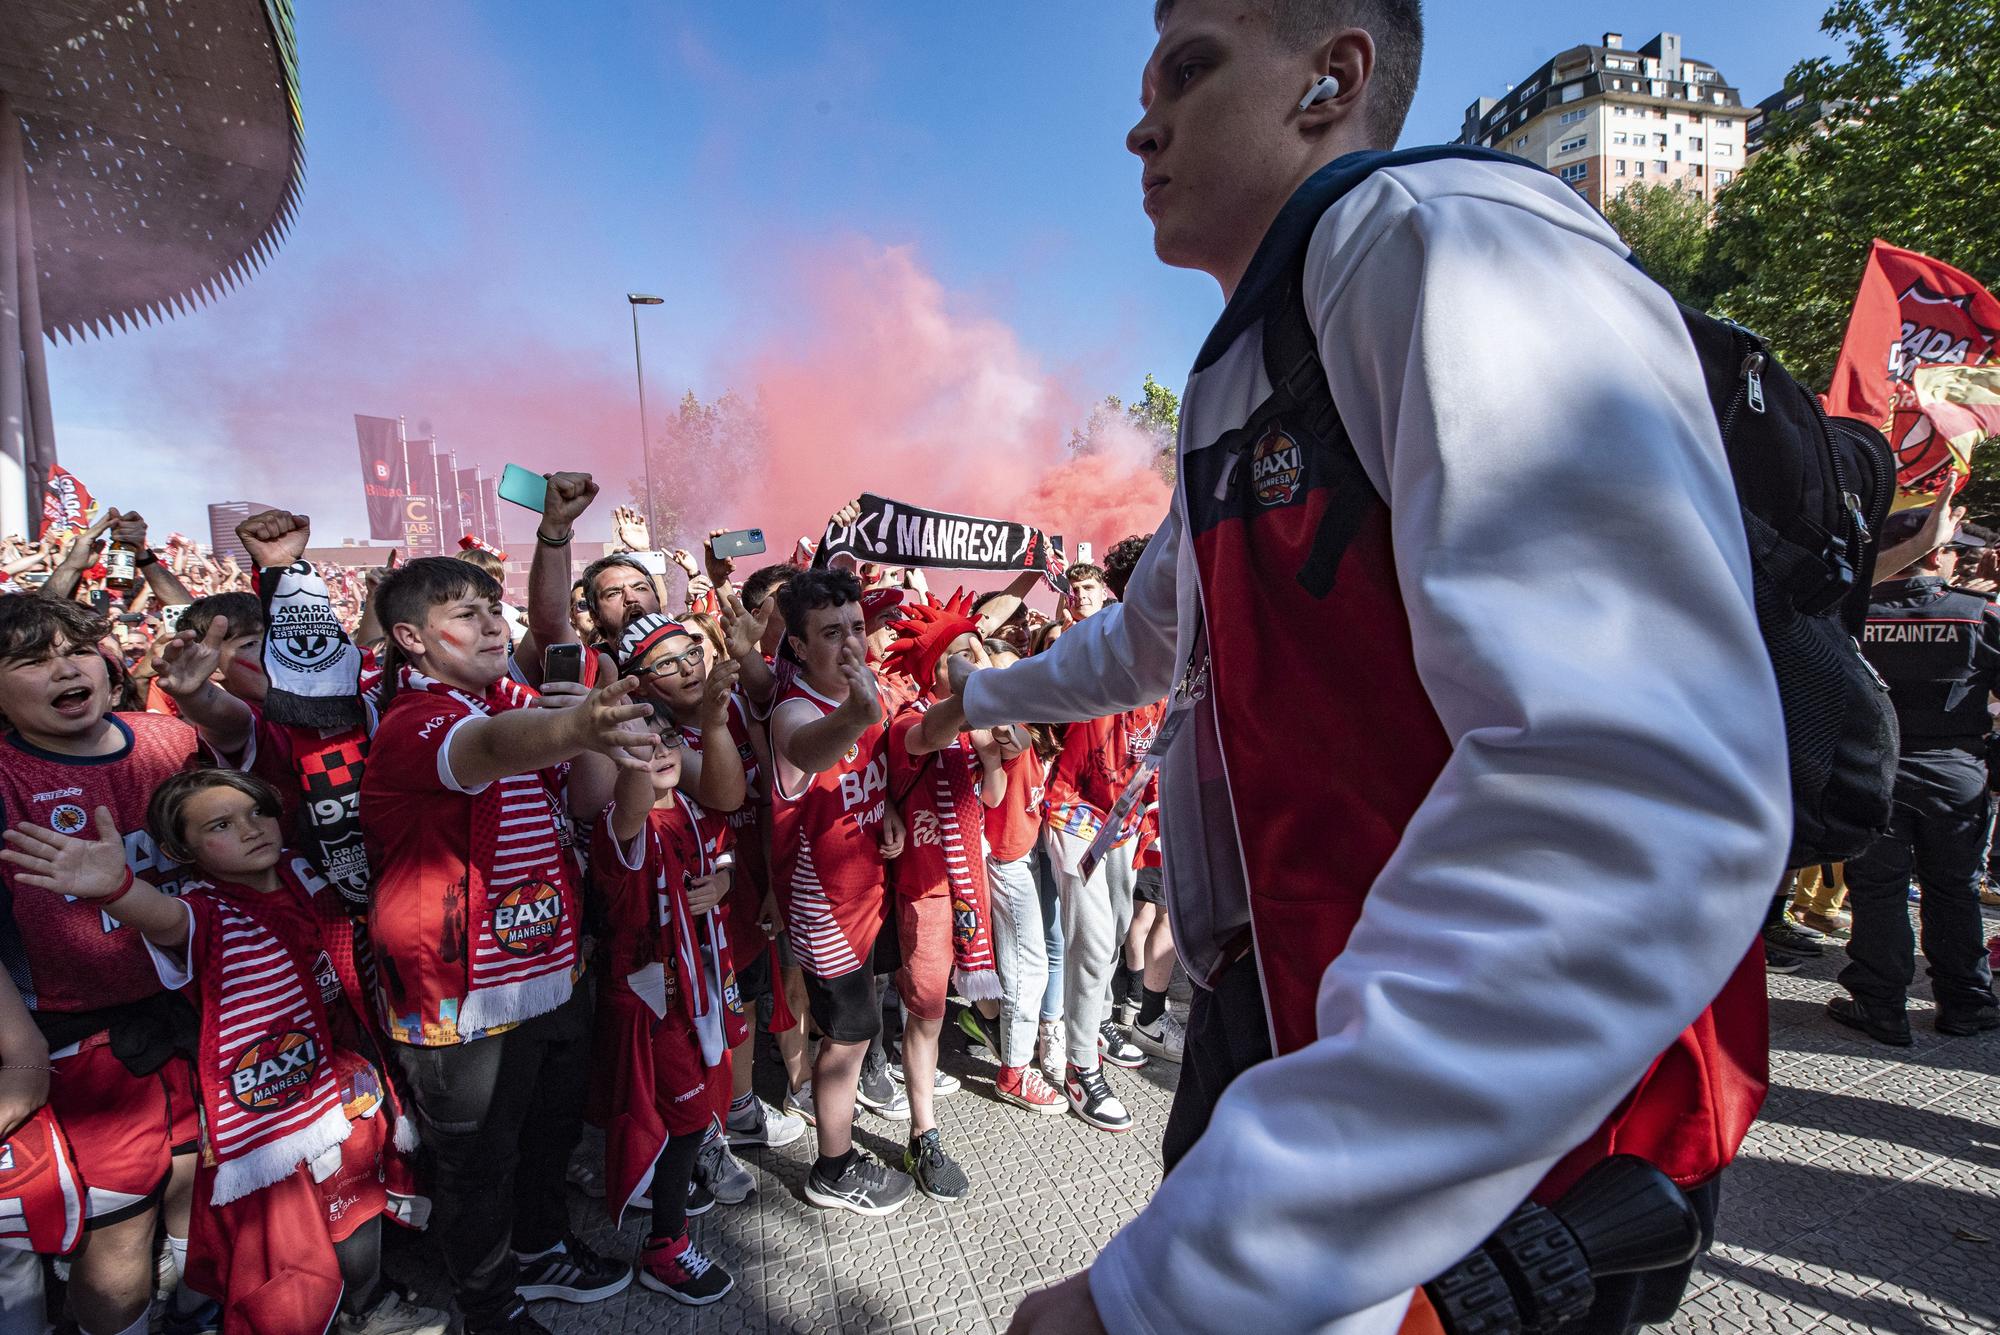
(1541, 717)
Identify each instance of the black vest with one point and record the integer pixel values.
(1932, 644)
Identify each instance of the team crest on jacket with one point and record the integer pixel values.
(526, 918)
(274, 1071)
(853, 752)
(1276, 464)
(68, 818)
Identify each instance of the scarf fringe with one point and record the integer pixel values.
(406, 1134)
(239, 1175)
(978, 985)
(510, 1003)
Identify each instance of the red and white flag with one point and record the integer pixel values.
(66, 502)
(1911, 311)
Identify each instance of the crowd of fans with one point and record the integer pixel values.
(340, 895)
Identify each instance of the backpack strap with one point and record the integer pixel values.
(1301, 397)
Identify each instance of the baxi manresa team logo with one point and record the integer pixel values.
(1275, 467)
(275, 1071)
(526, 918)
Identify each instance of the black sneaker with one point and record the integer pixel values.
(1879, 1023)
(934, 1171)
(700, 1199)
(1781, 961)
(516, 1321)
(869, 1187)
(203, 1320)
(573, 1273)
(1116, 1047)
(1090, 1098)
(1961, 1023)
(1792, 939)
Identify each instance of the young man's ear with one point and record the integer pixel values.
(407, 638)
(1348, 56)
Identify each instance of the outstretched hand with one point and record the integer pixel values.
(66, 865)
(183, 664)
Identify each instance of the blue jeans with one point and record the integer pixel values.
(1045, 887)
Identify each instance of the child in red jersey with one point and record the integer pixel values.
(832, 830)
(671, 1005)
(297, 1118)
(86, 979)
(942, 780)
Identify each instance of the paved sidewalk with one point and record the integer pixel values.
(1867, 1199)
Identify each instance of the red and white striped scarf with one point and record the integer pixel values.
(700, 944)
(268, 1091)
(954, 788)
(521, 904)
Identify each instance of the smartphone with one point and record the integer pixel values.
(170, 617)
(562, 662)
(738, 542)
(1083, 554)
(655, 562)
(523, 486)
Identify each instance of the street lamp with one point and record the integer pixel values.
(638, 299)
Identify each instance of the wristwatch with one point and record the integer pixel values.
(146, 557)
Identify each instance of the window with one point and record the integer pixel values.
(1659, 141)
(1572, 145)
(1723, 150)
(1722, 179)
(1638, 169)
(1571, 92)
(1571, 117)
(1795, 101)
(1694, 142)
(1677, 155)
(1618, 136)
(1575, 172)
(1619, 168)
(1659, 167)
(1659, 113)
(1521, 143)
(1694, 118)
(1697, 171)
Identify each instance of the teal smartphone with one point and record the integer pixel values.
(523, 486)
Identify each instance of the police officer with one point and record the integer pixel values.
(1939, 650)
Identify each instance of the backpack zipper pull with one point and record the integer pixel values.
(1854, 512)
(1753, 380)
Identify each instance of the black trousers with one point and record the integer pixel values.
(499, 1119)
(1227, 1034)
(1938, 832)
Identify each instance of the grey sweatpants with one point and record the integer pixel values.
(1020, 947)
(1095, 917)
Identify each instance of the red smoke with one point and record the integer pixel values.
(881, 382)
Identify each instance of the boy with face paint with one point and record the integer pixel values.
(471, 785)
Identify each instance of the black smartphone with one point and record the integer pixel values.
(738, 542)
(562, 662)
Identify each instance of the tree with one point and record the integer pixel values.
(1667, 229)
(1156, 415)
(1906, 151)
(696, 457)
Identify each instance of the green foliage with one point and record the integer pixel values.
(696, 455)
(1908, 152)
(1667, 229)
(1156, 414)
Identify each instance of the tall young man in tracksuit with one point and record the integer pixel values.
(1414, 809)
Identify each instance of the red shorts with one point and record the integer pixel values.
(923, 930)
(682, 1085)
(356, 1192)
(183, 1105)
(120, 1128)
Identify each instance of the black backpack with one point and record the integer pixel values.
(1813, 492)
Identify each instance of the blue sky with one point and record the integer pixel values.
(486, 180)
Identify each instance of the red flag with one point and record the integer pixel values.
(1911, 311)
(66, 502)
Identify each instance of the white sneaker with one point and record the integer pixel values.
(799, 1104)
(761, 1124)
(1164, 1038)
(1049, 1054)
(394, 1315)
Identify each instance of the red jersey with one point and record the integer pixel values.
(418, 827)
(672, 846)
(65, 954)
(1099, 757)
(937, 796)
(1015, 826)
(828, 868)
(317, 771)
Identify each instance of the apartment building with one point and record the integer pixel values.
(1604, 117)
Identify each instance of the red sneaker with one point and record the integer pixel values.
(1024, 1087)
(672, 1266)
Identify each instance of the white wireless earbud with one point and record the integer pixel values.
(1325, 88)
